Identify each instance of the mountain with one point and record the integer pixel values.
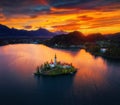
(59, 37)
(74, 38)
(6, 32)
(60, 32)
(114, 37)
(95, 37)
(77, 38)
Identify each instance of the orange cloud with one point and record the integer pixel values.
(2, 17)
(70, 26)
(102, 20)
(85, 18)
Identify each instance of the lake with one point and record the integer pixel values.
(97, 81)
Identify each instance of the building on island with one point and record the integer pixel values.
(55, 68)
(55, 60)
(55, 63)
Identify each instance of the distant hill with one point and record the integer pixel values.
(95, 37)
(114, 37)
(77, 38)
(67, 39)
(59, 37)
(60, 32)
(6, 32)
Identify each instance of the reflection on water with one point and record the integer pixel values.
(26, 58)
(18, 62)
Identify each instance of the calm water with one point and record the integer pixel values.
(97, 81)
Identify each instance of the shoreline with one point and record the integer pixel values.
(105, 56)
(69, 48)
(43, 74)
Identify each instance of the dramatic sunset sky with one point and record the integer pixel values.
(87, 16)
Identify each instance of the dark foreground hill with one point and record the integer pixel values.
(77, 38)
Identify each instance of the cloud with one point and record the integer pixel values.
(85, 18)
(33, 16)
(34, 7)
(27, 27)
(43, 2)
(70, 26)
(65, 15)
(24, 7)
(2, 17)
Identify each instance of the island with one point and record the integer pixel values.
(55, 68)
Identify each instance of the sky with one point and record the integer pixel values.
(87, 16)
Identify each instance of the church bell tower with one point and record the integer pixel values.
(55, 60)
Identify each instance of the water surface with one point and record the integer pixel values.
(97, 81)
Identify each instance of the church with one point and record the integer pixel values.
(55, 68)
(53, 64)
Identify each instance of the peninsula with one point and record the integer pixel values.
(55, 68)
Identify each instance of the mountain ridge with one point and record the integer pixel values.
(12, 32)
(44, 33)
(77, 38)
